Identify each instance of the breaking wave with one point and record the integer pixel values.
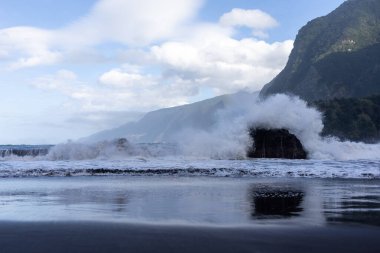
(180, 166)
(116, 149)
(229, 139)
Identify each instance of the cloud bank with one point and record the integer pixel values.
(158, 54)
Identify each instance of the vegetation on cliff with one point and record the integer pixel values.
(351, 118)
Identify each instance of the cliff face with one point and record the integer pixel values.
(335, 56)
(275, 143)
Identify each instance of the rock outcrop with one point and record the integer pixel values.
(275, 143)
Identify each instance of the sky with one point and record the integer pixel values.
(71, 68)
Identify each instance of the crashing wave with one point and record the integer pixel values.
(229, 138)
(176, 166)
(116, 149)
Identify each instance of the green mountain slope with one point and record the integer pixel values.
(335, 56)
(356, 119)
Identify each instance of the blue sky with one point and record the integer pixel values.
(71, 68)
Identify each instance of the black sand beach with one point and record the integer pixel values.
(59, 237)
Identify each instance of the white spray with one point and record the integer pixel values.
(229, 139)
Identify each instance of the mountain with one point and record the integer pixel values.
(335, 56)
(162, 125)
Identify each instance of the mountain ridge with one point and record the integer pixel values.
(161, 125)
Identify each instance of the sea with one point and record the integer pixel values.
(153, 184)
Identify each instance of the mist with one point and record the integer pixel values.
(224, 134)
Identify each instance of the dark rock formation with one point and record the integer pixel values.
(275, 143)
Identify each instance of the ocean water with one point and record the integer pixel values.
(155, 160)
(176, 166)
(160, 187)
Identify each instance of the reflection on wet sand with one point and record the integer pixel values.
(182, 200)
(275, 203)
(115, 201)
(363, 209)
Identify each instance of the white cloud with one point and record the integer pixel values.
(63, 81)
(120, 79)
(147, 92)
(256, 20)
(169, 57)
(28, 45)
(223, 63)
(129, 22)
(113, 94)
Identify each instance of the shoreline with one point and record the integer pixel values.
(122, 237)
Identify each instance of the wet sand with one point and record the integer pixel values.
(179, 214)
(83, 237)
